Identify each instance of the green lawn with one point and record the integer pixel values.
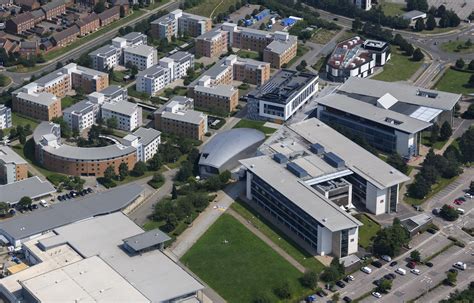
(249, 54)
(458, 46)
(435, 188)
(18, 119)
(244, 123)
(398, 68)
(67, 102)
(27, 153)
(237, 264)
(278, 237)
(300, 52)
(55, 53)
(368, 231)
(425, 140)
(392, 9)
(323, 36)
(214, 7)
(454, 81)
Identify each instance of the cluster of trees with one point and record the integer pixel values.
(461, 64)
(407, 48)
(93, 137)
(20, 132)
(452, 279)
(391, 239)
(461, 296)
(417, 5)
(432, 169)
(440, 134)
(3, 80)
(232, 8)
(446, 18)
(448, 213)
(66, 131)
(334, 272)
(110, 176)
(14, 59)
(469, 113)
(398, 162)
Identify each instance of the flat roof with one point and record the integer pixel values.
(356, 158)
(32, 187)
(402, 92)
(413, 15)
(42, 98)
(373, 113)
(60, 214)
(147, 135)
(106, 50)
(304, 196)
(87, 280)
(152, 273)
(123, 107)
(7, 155)
(281, 46)
(180, 56)
(220, 90)
(140, 50)
(188, 116)
(79, 107)
(147, 239)
(153, 71)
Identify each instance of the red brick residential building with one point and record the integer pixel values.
(89, 24)
(66, 36)
(109, 16)
(20, 23)
(53, 9)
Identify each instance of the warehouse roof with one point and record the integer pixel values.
(32, 187)
(374, 113)
(147, 239)
(356, 158)
(66, 213)
(402, 92)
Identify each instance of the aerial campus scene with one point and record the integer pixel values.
(243, 151)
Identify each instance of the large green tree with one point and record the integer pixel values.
(390, 240)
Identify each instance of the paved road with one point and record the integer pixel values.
(19, 78)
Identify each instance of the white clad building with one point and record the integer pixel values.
(106, 57)
(142, 56)
(146, 142)
(181, 62)
(128, 114)
(5, 117)
(80, 115)
(153, 79)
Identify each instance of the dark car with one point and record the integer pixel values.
(81, 193)
(377, 282)
(68, 196)
(377, 264)
(89, 190)
(12, 212)
(34, 206)
(392, 264)
(340, 284)
(411, 264)
(392, 275)
(60, 198)
(346, 279)
(347, 299)
(388, 277)
(320, 293)
(429, 264)
(453, 270)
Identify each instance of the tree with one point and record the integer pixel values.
(139, 169)
(409, 50)
(59, 65)
(24, 202)
(4, 208)
(418, 55)
(171, 222)
(460, 63)
(466, 145)
(430, 22)
(419, 25)
(22, 138)
(99, 7)
(213, 183)
(155, 162)
(448, 213)
(415, 256)
(109, 173)
(65, 129)
(468, 43)
(174, 192)
(434, 133)
(397, 161)
(123, 170)
(122, 11)
(309, 279)
(390, 240)
(470, 83)
(451, 277)
(356, 24)
(446, 131)
(384, 286)
(419, 188)
(112, 122)
(335, 297)
(471, 65)
(262, 297)
(225, 176)
(283, 290)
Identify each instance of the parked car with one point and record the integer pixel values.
(411, 264)
(392, 275)
(12, 212)
(347, 299)
(366, 269)
(468, 195)
(388, 277)
(34, 206)
(340, 284)
(377, 264)
(322, 293)
(44, 203)
(377, 295)
(429, 264)
(386, 258)
(401, 271)
(460, 265)
(349, 278)
(60, 198)
(415, 271)
(311, 298)
(435, 211)
(393, 263)
(453, 270)
(89, 190)
(460, 211)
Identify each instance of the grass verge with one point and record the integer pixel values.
(258, 125)
(368, 231)
(454, 81)
(435, 188)
(398, 68)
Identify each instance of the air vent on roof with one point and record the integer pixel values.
(426, 94)
(280, 158)
(317, 148)
(334, 160)
(296, 170)
(393, 121)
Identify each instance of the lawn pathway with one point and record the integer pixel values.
(267, 240)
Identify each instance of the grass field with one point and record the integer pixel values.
(22, 120)
(399, 68)
(454, 81)
(278, 237)
(214, 7)
(368, 231)
(237, 264)
(256, 125)
(67, 102)
(457, 47)
(425, 140)
(249, 54)
(323, 36)
(392, 9)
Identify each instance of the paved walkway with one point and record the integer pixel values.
(266, 239)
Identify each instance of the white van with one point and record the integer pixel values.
(366, 269)
(460, 265)
(401, 271)
(386, 258)
(44, 203)
(460, 211)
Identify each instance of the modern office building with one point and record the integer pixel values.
(12, 167)
(127, 114)
(282, 96)
(180, 62)
(389, 116)
(145, 140)
(212, 44)
(142, 56)
(356, 57)
(40, 106)
(178, 23)
(178, 117)
(5, 117)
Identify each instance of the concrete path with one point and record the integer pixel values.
(266, 239)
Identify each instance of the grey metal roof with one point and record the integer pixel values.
(212, 72)
(79, 107)
(42, 129)
(279, 46)
(69, 212)
(112, 90)
(32, 187)
(226, 145)
(140, 50)
(304, 196)
(49, 77)
(53, 4)
(105, 51)
(39, 98)
(181, 56)
(147, 239)
(403, 92)
(413, 14)
(356, 158)
(188, 116)
(219, 90)
(122, 107)
(146, 135)
(90, 153)
(7, 155)
(373, 113)
(153, 71)
(133, 36)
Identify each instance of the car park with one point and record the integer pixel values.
(377, 295)
(366, 269)
(386, 258)
(377, 264)
(415, 271)
(393, 263)
(340, 284)
(460, 265)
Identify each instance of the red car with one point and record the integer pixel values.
(457, 202)
(411, 264)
